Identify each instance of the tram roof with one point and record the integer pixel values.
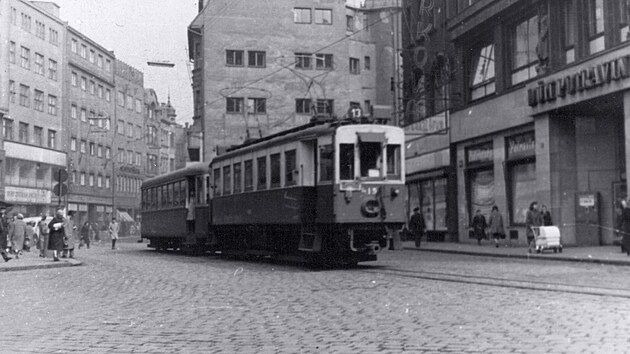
(194, 169)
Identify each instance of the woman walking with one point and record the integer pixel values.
(496, 228)
(17, 234)
(479, 226)
(56, 234)
(533, 218)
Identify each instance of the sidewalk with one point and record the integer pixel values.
(602, 254)
(32, 260)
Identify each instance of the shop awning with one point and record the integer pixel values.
(368, 137)
(123, 216)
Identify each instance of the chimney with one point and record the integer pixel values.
(200, 5)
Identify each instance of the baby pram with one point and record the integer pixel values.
(547, 237)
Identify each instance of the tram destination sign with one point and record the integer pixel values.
(585, 79)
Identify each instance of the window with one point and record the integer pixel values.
(256, 59)
(346, 161)
(290, 168)
(129, 102)
(481, 191)
(82, 180)
(38, 100)
(13, 16)
(83, 115)
(367, 63)
(256, 105)
(100, 91)
(482, 81)
(12, 92)
(92, 88)
(227, 180)
(38, 135)
(108, 182)
(91, 180)
(624, 29)
(25, 58)
(73, 144)
(323, 61)
(303, 60)
(524, 59)
(74, 79)
(349, 23)
(323, 16)
(25, 96)
(108, 95)
(325, 106)
(7, 129)
(12, 52)
(261, 168)
(234, 104)
(92, 56)
(120, 129)
(52, 105)
(53, 36)
(301, 15)
(522, 179)
(249, 176)
(570, 29)
(40, 30)
(83, 147)
(26, 22)
(596, 26)
(108, 152)
(99, 181)
(302, 106)
(74, 45)
(217, 181)
(92, 149)
(130, 130)
(99, 61)
(83, 83)
(393, 162)
(237, 177)
(138, 106)
(234, 57)
(52, 69)
(371, 159)
(73, 111)
(83, 51)
(108, 65)
(23, 133)
(274, 163)
(39, 64)
(355, 66)
(52, 139)
(326, 156)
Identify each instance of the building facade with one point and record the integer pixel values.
(282, 63)
(165, 138)
(538, 107)
(31, 55)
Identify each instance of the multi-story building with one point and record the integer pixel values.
(538, 111)
(284, 61)
(165, 138)
(88, 109)
(31, 78)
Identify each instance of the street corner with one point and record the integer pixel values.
(30, 262)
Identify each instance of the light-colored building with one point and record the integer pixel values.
(32, 41)
(165, 137)
(262, 67)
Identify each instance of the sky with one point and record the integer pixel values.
(139, 31)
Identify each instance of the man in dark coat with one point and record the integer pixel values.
(4, 233)
(57, 234)
(417, 225)
(479, 226)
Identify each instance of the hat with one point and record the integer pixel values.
(416, 209)
(20, 216)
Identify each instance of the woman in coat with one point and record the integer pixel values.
(113, 232)
(71, 236)
(56, 234)
(479, 226)
(625, 227)
(17, 234)
(495, 225)
(533, 218)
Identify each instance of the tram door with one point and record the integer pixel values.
(191, 206)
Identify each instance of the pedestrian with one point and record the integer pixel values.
(97, 232)
(17, 235)
(29, 237)
(70, 237)
(417, 225)
(495, 226)
(479, 226)
(625, 226)
(86, 231)
(44, 233)
(546, 216)
(190, 214)
(57, 233)
(113, 231)
(533, 218)
(4, 234)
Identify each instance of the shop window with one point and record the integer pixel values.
(237, 177)
(393, 162)
(346, 161)
(326, 156)
(227, 180)
(596, 24)
(522, 190)
(570, 30)
(290, 168)
(217, 181)
(371, 159)
(249, 175)
(274, 164)
(261, 164)
(481, 191)
(482, 82)
(524, 58)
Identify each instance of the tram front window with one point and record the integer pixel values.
(346, 161)
(371, 159)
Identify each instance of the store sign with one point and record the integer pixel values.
(523, 145)
(479, 154)
(587, 201)
(27, 195)
(585, 79)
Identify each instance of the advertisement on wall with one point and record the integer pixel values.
(27, 195)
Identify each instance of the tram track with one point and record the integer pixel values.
(503, 282)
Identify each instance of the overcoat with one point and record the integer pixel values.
(17, 233)
(55, 240)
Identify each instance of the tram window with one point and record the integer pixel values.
(199, 190)
(371, 159)
(176, 194)
(326, 163)
(227, 180)
(249, 175)
(237, 177)
(182, 193)
(275, 170)
(169, 195)
(164, 198)
(393, 161)
(217, 181)
(346, 161)
(290, 170)
(155, 201)
(262, 172)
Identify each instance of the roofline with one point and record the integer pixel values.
(91, 41)
(190, 170)
(45, 13)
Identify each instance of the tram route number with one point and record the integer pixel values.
(369, 190)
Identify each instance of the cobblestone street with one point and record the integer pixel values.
(138, 300)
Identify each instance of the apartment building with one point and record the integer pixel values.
(165, 137)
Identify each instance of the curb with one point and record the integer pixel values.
(527, 256)
(62, 264)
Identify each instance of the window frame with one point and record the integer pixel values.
(322, 11)
(295, 15)
(256, 55)
(231, 57)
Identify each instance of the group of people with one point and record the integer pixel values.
(58, 235)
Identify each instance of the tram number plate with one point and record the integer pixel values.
(369, 190)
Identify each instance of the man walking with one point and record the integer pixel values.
(113, 232)
(417, 225)
(44, 232)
